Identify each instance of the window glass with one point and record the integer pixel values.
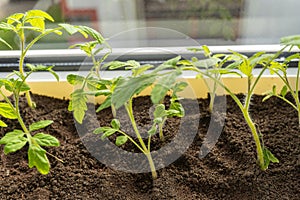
(168, 23)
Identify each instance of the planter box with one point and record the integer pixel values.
(229, 171)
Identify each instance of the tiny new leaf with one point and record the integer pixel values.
(115, 124)
(268, 157)
(121, 140)
(283, 91)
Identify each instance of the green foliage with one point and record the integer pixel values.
(212, 64)
(92, 84)
(241, 65)
(78, 104)
(123, 90)
(22, 25)
(17, 139)
(280, 69)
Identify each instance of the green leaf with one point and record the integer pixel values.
(180, 86)
(14, 85)
(274, 89)
(115, 124)
(172, 112)
(292, 57)
(105, 104)
(291, 40)
(140, 70)
(46, 140)
(14, 18)
(39, 125)
(268, 157)
(158, 120)
(261, 58)
(121, 140)
(276, 66)
(172, 63)
(7, 111)
(283, 91)
(78, 104)
(153, 130)
(38, 14)
(206, 50)
(185, 62)
(69, 28)
(3, 124)
(37, 158)
(94, 84)
(15, 145)
(163, 85)
(245, 68)
(75, 79)
(159, 111)
(11, 136)
(101, 129)
(178, 107)
(108, 133)
(271, 156)
(38, 23)
(115, 65)
(207, 63)
(85, 30)
(133, 64)
(126, 88)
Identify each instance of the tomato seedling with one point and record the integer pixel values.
(22, 24)
(165, 82)
(244, 66)
(280, 69)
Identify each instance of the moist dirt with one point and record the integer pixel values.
(229, 171)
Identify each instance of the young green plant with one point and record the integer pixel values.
(127, 88)
(16, 84)
(212, 61)
(91, 84)
(244, 66)
(280, 69)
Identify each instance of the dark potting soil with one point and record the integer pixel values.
(229, 171)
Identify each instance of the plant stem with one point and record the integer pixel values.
(21, 64)
(160, 127)
(146, 151)
(151, 164)
(259, 150)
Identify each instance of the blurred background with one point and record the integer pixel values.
(127, 23)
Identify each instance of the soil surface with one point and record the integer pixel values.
(228, 171)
